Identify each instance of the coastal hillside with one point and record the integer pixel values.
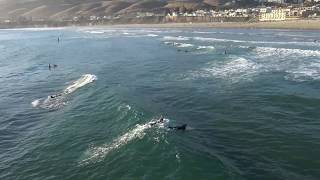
(65, 9)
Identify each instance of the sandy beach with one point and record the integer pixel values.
(293, 24)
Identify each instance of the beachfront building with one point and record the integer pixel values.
(274, 15)
(276, 1)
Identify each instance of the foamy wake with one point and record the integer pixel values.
(85, 79)
(96, 154)
(58, 100)
(176, 38)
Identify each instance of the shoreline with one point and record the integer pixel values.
(292, 24)
(310, 24)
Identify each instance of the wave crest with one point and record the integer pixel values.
(58, 100)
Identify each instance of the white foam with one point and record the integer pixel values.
(128, 107)
(202, 32)
(178, 44)
(236, 67)
(95, 32)
(234, 70)
(216, 39)
(85, 79)
(304, 72)
(125, 107)
(284, 52)
(254, 42)
(96, 154)
(184, 45)
(205, 47)
(152, 35)
(178, 156)
(176, 38)
(59, 100)
(35, 103)
(244, 47)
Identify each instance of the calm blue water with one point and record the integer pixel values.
(250, 98)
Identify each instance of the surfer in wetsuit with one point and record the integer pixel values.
(161, 120)
(54, 96)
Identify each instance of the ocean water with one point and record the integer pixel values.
(250, 98)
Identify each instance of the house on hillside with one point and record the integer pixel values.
(274, 15)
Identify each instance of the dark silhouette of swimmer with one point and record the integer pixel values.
(58, 40)
(225, 51)
(54, 96)
(49, 66)
(54, 66)
(159, 121)
(182, 127)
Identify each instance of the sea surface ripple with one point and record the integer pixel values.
(250, 97)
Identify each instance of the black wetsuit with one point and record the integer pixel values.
(157, 122)
(182, 127)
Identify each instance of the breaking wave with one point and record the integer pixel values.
(58, 100)
(205, 47)
(254, 42)
(304, 72)
(95, 32)
(96, 154)
(176, 38)
(216, 39)
(233, 70)
(269, 51)
(152, 35)
(180, 45)
(183, 45)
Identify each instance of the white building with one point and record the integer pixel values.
(274, 15)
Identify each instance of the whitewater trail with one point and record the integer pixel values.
(98, 153)
(58, 100)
